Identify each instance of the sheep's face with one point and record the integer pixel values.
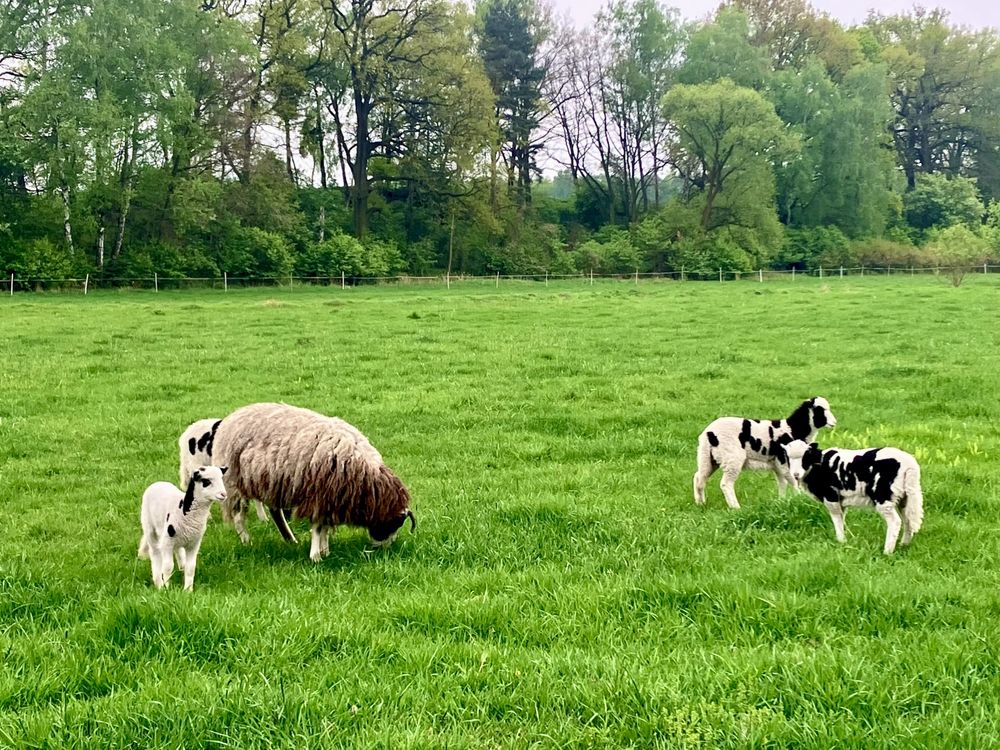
(801, 457)
(821, 415)
(208, 481)
(383, 532)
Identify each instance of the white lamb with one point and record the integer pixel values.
(735, 443)
(173, 523)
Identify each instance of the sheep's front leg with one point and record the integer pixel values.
(892, 526)
(325, 547)
(836, 511)
(261, 513)
(320, 545)
(155, 563)
(240, 523)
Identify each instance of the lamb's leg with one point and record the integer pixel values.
(155, 564)
(779, 475)
(892, 525)
(261, 513)
(192, 562)
(836, 511)
(728, 483)
(181, 556)
(166, 565)
(143, 548)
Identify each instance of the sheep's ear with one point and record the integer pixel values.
(223, 469)
(413, 520)
(814, 446)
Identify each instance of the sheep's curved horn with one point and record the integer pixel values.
(413, 520)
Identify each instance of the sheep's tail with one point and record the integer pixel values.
(143, 548)
(914, 508)
(278, 516)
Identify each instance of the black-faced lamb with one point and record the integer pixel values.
(322, 467)
(196, 446)
(886, 479)
(173, 523)
(736, 443)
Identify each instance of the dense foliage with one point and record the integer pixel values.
(319, 137)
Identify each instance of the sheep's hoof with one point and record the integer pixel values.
(244, 537)
(317, 558)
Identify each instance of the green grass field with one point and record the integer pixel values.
(562, 589)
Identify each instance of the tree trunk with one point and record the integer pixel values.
(321, 142)
(322, 224)
(289, 164)
(361, 169)
(100, 246)
(67, 223)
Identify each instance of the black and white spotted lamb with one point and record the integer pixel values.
(173, 523)
(736, 443)
(886, 479)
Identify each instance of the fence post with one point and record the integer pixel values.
(447, 279)
(546, 278)
(793, 273)
(821, 272)
(156, 282)
(86, 283)
(720, 275)
(591, 276)
(760, 275)
(862, 269)
(498, 280)
(289, 281)
(682, 273)
(12, 284)
(841, 272)
(225, 281)
(343, 285)
(637, 277)
(984, 268)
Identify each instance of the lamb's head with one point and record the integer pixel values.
(801, 457)
(820, 414)
(383, 532)
(207, 482)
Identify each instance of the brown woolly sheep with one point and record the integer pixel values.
(322, 467)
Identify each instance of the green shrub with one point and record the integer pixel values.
(251, 251)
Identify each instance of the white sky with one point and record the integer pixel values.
(974, 13)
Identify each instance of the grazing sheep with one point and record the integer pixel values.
(886, 479)
(196, 444)
(173, 523)
(735, 444)
(321, 466)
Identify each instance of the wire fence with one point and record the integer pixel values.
(13, 283)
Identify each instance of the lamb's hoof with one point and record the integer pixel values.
(316, 558)
(244, 537)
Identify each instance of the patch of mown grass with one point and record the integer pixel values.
(562, 589)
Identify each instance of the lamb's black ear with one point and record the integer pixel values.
(223, 469)
(413, 520)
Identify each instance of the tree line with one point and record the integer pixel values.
(374, 137)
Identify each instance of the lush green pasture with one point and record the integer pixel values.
(562, 589)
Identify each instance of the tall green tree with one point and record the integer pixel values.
(728, 141)
(510, 39)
